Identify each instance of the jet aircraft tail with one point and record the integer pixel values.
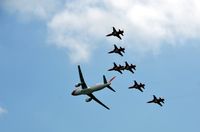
(162, 100)
(121, 32)
(105, 82)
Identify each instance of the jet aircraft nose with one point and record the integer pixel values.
(73, 93)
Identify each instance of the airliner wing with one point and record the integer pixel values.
(95, 99)
(83, 84)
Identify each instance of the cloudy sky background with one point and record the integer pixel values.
(42, 41)
(148, 24)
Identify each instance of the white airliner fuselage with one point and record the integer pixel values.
(85, 90)
(89, 90)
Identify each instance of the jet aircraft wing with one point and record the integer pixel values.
(131, 70)
(120, 53)
(83, 84)
(119, 71)
(115, 46)
(114, 30)
(154, 97)
(159, 103)
(135, 82)
(118, 36)
(140, 89)
(95, 99)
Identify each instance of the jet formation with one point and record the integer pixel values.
(139, 86)
(116, 33)
(82, 88)
(156, 100)
(120, 68)
(117, 50)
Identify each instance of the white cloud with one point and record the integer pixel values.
(3, 111)
(28, 9)
(81, 25)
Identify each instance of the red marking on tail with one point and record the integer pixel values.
(112, 79)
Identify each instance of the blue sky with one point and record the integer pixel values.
(39, 67)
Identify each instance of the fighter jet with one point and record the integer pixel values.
(116, 68)
(83, 89)
(129, 67)
(157, 100)
(139, 86)
(117, 50)
(116, 33)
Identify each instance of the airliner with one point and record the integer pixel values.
(83, 89)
